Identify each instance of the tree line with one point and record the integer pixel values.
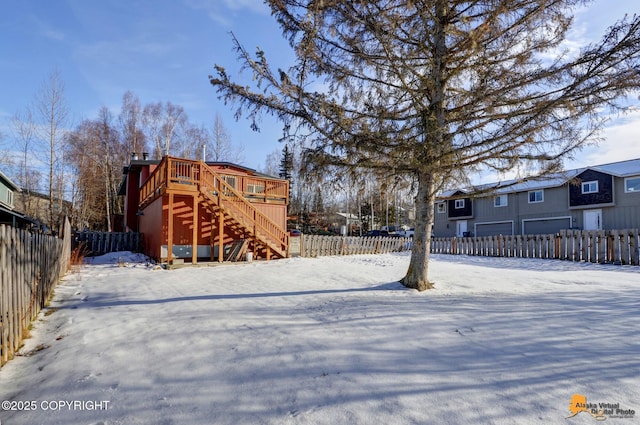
(77, 169)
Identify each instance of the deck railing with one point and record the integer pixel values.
(215, 187)
(234, 193)
(176, 171)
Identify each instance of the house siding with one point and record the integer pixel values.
(456, 213)
(626, 212)
(152, 229)
(563, 206)
(604, 195)
(484, 207)
(4, 197)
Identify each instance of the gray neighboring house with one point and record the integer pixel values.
(7, 204)
(602, 197)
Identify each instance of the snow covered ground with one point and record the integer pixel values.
(332, 340)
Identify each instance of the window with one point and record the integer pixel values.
(459, 204)
(10, 198)
(255, 188)
(536, 196)
(441, 207)
(231, 180)
(590, 187)
(632, 184)
(500, 201)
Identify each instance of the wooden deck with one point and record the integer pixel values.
(232, 198)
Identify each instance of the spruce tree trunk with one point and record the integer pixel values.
(417, 275)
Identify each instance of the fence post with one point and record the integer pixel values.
(602, 246)
(624, 246)
(615, 248)
(634, 247)
(4, 297)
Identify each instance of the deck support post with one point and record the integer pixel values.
(170, 228)
(220, 236)
(194, 232)
(212, 243)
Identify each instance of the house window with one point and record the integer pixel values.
(10, 198)
(441, 207)
(231, 180)
(536, 196)
(632, 184)
(590, 187)
(500, 201)
(255, 188)
(459, 204)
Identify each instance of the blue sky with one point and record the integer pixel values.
(164, 50)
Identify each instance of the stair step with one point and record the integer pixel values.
(215, 204)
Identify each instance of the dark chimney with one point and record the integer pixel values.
(145, 156)
(134, 156)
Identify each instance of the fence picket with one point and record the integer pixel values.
(100, 243)
(30, 267)
(610, 246)
(634, 247)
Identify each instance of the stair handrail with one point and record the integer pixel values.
(233, 199)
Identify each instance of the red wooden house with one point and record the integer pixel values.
(195, 210)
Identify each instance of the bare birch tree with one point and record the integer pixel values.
(52, 117)
(194, 139)
(429, 88)
(24, 132)
(221, 146)
(131, 128)
(162, 123)
(89, 197)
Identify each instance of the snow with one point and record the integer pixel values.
(332, 340)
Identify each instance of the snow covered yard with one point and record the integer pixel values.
(333, 340)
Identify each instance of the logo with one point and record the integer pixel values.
(599, 411)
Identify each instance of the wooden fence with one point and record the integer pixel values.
(601, 246)
(31, 265)
(318, 246)
(100, 243)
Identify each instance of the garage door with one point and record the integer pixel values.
(492, 229)
(546, 226)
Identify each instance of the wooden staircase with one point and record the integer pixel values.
(239, 213)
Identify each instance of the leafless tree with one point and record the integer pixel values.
(52, 118)
(24, 132)
(130, 121)
(88, 196)
(97, 154)
(272, 163)
(221, 146)
(429, 88)
(162, 122)
(194, 140)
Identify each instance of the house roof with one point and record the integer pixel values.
(8, 217)
(8, 182)
(618, 169)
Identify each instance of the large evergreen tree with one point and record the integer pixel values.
(435, 88)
